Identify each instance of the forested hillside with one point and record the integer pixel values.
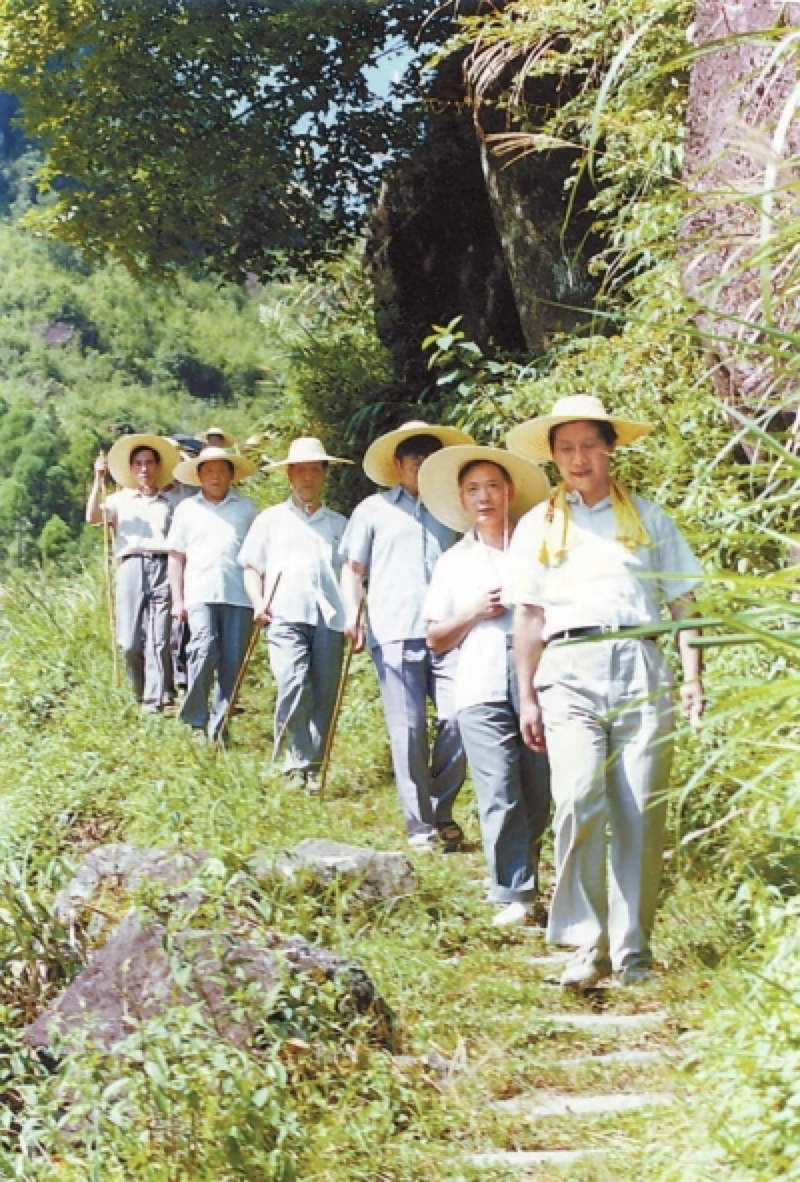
(629, 217)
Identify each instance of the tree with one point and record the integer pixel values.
(222, 134)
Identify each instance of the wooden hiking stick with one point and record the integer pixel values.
(257, 630)
(109, 589)
(326, 758)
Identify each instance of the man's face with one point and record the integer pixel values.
(145, 468)
(214, 440)
(485, 494)
(307, 481)
(215, 479)
(583, 457)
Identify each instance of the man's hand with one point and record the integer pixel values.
(178, 610)
(489, 605)
(693, 701)
(262, 613)
(101, 466)
(354, 631)
(531, 726)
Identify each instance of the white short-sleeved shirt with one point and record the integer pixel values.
(306, 552)
(599, 581)
(210, 536)
(140, 523)
(399, 542)
(460, 576)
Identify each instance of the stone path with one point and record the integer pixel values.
(631, 1071)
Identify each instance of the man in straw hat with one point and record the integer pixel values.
(595, 559)
(139, 514)
(207, 582)
(395, 542)
(482, 491)
(298, 540)
(217, 437)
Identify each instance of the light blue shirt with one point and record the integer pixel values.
(210, 536)
(399, 543)
(305, 550)
(599, 581)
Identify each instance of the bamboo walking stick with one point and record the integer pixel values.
(257, 630)
(326, 758)
(109, 588)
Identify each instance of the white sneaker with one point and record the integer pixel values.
(423, 841)
(512, 915)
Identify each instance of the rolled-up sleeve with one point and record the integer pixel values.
(356, 544)
(255, 546)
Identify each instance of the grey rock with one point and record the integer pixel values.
(126, 868)
(374, 874)
(132, 978)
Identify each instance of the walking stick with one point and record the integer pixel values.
(257, 630)
(326, 758)
(109, 588)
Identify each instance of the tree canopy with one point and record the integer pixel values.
(227, 134)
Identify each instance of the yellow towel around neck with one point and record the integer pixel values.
(561, 534)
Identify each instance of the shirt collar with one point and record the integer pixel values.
(162, 492)
(575, 498)
(229, 496)
(305, 516)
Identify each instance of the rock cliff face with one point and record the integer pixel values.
(458, 231)
(743, 131)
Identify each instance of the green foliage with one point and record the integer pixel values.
(227, 135)
(89, 354)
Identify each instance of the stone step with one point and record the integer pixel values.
(632, 1058)
(645, 1020)
(565, 1104)
(522, 1159)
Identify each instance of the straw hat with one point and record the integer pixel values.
(227, 438)
(379, 458)
(188, 473)
(306, 450)
(531, 439)
(439, 489)
(119, 458)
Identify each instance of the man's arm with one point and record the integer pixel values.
(528, 648)
(692, 692)
(176, 568)
(351, 585)
(254, 583)
(94, 509)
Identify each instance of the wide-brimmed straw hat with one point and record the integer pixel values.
(188, 472)
(306, 450)
(227, 438)
(531, 439)
(119, 458)
(439, 488)
(379, 458)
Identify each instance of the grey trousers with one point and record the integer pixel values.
(512, 784)
(218, 638)
(427, 781)
(306, 661)
(607, 713)
(143, 627)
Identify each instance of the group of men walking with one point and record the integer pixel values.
(528, 635)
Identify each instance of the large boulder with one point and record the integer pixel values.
(372, 874)
(143, 970)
